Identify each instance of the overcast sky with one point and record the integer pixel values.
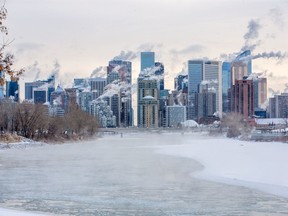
(83, 35)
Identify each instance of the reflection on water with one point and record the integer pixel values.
(120, 176)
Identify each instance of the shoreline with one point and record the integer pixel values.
(256, 165)
(13, 212)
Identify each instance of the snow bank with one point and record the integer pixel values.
(190, 124)
(256, 165)
(9, 212)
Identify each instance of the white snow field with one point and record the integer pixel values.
(258, 165)
(9, 212)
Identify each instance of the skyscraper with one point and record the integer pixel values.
(195, 77)
(102, 111)
(12, 90)
(123, 68)
(148, 103)
(213, 75)
(241, 66)
(97, 86)
(226, 85)
(122, 71)
(206, 104)
(147, 60)
(181, 83)
(160, 72)
(113, 101)
(243, 97)
(260, 91)
(200, 71)
(85, 98)
(278, 106)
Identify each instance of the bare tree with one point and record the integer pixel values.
(235, 124)
(79, 122)
(32, 120)
(7, 113)
(6, 60)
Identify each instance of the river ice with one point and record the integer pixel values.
(125, 176)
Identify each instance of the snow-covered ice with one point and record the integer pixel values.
(257, 165)
(9, 212)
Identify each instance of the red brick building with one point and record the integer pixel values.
(243, 97)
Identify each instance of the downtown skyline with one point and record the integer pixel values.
(84, 36)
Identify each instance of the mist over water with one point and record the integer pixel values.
(121, 176)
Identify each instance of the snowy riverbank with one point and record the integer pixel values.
(257, 165)
(9, 212)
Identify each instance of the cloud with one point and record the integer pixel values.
(276, 17)
(194, 48)
(29, 46)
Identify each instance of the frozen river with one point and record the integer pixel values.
(121, 176)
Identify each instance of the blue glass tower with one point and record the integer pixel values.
(147, 60)
(226, 85)
(12, 90)
(195, 77)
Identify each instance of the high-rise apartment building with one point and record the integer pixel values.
(175, 115)
(243, 97)
(148, 103)
(213, 75)
(260, 92)
(97, 86)
(278, 106)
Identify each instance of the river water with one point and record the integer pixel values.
(121, 176)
